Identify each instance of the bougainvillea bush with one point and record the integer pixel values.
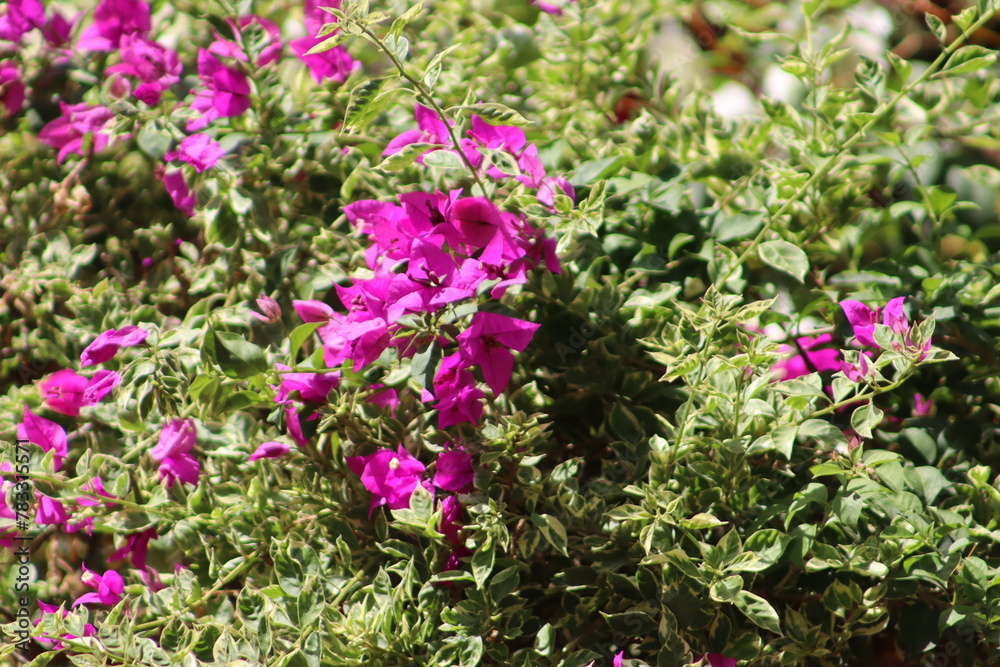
(499, 332)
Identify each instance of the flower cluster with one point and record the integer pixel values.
(508, 139)
(146, 70)
(392, 476)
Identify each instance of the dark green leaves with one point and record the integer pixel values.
(238, 357)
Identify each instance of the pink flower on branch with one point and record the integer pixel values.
(226, 93)
(79, 123)
(156, 66)
(180, 193)
(390, 476)
(66, 392)
(488, 342)
(199, 150)
(270, 450)
(113, 20)
(22, 16)
(106, 345)
(807, 356)
(47, 434)
(173, 451)
(110, 587)
(12, 89)
(454, 471)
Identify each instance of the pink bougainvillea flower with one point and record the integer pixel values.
(386, 397)
(312, 387)
(58, 30)
(226, 93)
(894, 316)
(199, 150)
(617, 660)
(180, 193)
(270, 309)
(106, 345)
(173, 451)
(862, 319)
(488, 342)
(156, 66)
(718, 660)
(177, 437)
(113, 20)
(922, 407)
(556, 9)
(335, 64)
(390, 476)
(21, 17)
(858, 373)
(99, 386)
(66, 392)
(79, 121)
(451, 515)
(63, 392)
(430, 130)
(270, 450)
(110, 587)
(50, 512)
(47, 434)
(12, 89)
(136, 547)
(458, 398)
(313, 311)
(810, 355)
(454, 471)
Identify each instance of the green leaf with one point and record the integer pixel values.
(424, 365)
(238, 357)
(328, 43)
(433, 70)
(903, 67)
(552, 530)
(595, 170)
(153, 141)
(865, 418)
(300, 335)
(785, 257)
(729, 227)
(968, 59)
(726, 589)
(494, 114)
(482, 563)
(406, 18)
(364, 105)
(758, 610)
(624, 424)
(405, 157)
(937, 27)
(700, 521)
(767, 546)
(965, 18)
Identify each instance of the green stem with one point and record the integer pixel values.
(426, 95)
(247, 563)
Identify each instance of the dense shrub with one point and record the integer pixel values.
(499, 332)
